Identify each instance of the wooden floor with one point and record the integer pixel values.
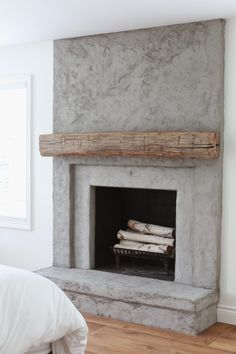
(108, 336)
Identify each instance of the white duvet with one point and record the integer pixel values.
(33, 311)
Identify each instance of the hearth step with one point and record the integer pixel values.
(151, 302)
(154, 271)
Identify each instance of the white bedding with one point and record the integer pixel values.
(41, 349)
(34, 311)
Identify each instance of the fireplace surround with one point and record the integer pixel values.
(167, 78)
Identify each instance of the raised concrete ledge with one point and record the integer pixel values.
(152, 302)
(144, 291)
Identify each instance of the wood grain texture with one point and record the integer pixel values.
(163, 249)
(176, 144)
(108, 336)
(151, 229)
(135, 236)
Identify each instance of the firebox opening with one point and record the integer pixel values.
(114, 208)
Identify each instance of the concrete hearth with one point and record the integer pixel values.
(159, 79)
(173, 306)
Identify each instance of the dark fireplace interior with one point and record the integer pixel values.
(114, 207)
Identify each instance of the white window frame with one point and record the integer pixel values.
(15, 222)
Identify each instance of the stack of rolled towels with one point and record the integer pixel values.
(147, 237)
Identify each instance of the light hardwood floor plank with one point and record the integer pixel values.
(109, 336)
(226, 340)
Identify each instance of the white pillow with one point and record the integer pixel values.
(33, 311)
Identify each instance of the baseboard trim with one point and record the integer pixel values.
(226, 314)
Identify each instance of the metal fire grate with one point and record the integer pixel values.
(124, 252)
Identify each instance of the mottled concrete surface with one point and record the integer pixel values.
(141, 300)
(167, 78)
(179, 179)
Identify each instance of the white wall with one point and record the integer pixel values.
(227, 306)
(33, 249)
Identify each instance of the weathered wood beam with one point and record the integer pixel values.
(166, 144)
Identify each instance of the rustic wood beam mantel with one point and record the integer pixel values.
(164, 144)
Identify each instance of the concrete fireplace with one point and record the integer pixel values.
(158, 79)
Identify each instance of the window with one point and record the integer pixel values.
(15, 152)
